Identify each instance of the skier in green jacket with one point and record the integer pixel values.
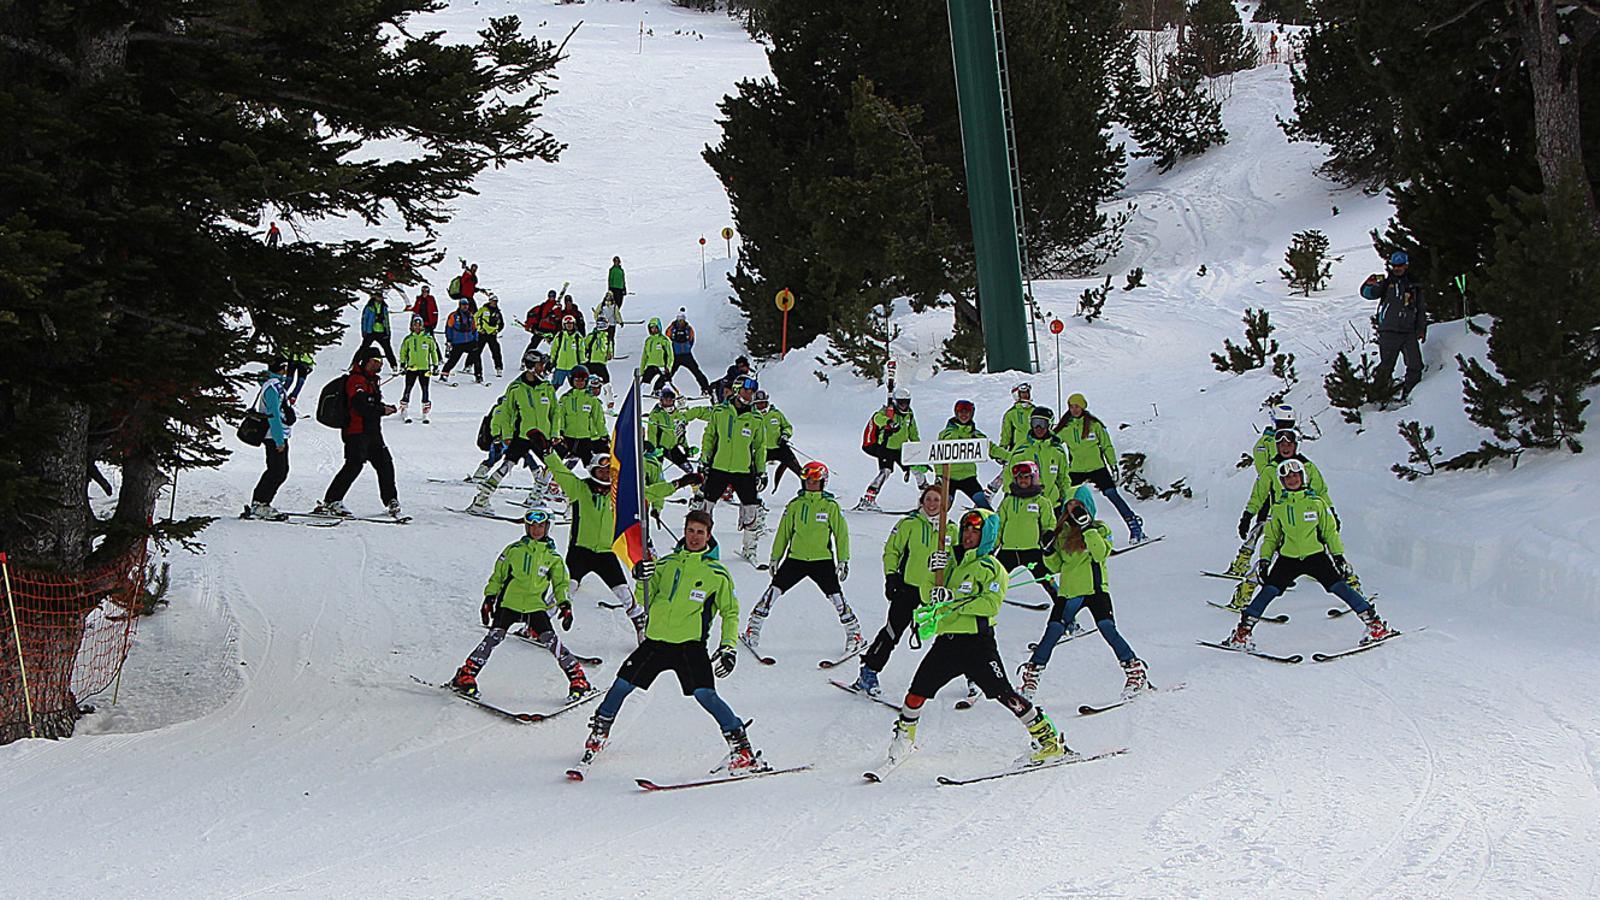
(656, 359)
(1041, 447)
(778, 433)
(1302, 538)
(667, 427)
(961, 614)
(529, 582)
(964, 476)
(1091, 458)
(580, 420)
(419, 358)
(812, 542)
(1027, 517)
(682, 591)
(1014, 428)
(1266, 491)
(525, 417)
(889, 430)
(907, 578)
(617, 281)
(734, 448)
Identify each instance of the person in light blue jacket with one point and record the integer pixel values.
(375, 328)
(272, 402)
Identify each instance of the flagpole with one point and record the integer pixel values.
(638, 453)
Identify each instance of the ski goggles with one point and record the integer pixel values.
(964, 406)
(536, 517)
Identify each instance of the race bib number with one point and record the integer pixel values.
(1310, 515)
(698, 596)
(745, 432)
(1033, 507)
(822, 517)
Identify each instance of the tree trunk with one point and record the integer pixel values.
(51, 655)
(142, 481)
(1553, 73)
(59, 532)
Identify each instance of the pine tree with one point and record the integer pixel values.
(1543, 289)
(1288, 12)
(1350, 385)
(1309, 268)
(1258, 346)
(1169, 112)
(1215, 41)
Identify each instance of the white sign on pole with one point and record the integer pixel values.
(939, 453)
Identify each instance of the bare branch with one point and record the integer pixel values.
(44, 53)
(1467, 11)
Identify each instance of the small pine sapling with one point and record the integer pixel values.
(1092, 302)
(1309, 266)
(1423, 459)
(1283, 369)
(1135, 278)
(1258, 346)
(1350, 386)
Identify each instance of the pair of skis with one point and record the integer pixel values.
(520, 717)
(1296, 658)
(766, 660)
(876, 776)
(329, 517)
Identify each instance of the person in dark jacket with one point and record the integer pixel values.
(461, 334)
(427, 307)
(681, 333)
(363, 438)
(1401, 320)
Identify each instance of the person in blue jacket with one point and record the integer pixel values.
(461, 333)
(1401, 322)
(681, 333)
(272, 402)
(375, 328)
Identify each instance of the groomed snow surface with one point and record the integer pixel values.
(269, 742)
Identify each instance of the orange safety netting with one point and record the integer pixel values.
(74, 633)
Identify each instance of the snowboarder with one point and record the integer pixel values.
(887, 431)
(964, 476)
(1081, 554)
(907, 578)
(617, 281)
(419, 358)
(1091, 458)
(1302, 538)
(528, 583)
(363, 438)
(461, 333)
(962, 616)
(656, 360)
(778, 433)
(523, 418)
(566, 350)
(375, 327)
(580, 422)
(1027, 517)
(490, 322)
(667, 427)
(812, 542)
(681, 593)
(734, 447)
(272, 402)
(681, 334)
(1401, 322)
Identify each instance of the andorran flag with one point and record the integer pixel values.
(627, 480)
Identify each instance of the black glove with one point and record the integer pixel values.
(893, 583)
(561, 447)
(1343, 565)
(761, 483)
(690, 479)
(487, 612)
(1263, 566)
(643, 569)
(566, 616)
(540, 443)
(722, 661)
(1048, 539)
(1244, 524)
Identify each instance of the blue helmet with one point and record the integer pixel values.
(1399, 258)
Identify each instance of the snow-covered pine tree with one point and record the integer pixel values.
(1258, 345)
(1166, 107)
(1309, 266)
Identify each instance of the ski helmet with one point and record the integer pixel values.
(761, 401)
(600, 469)
(1022, 391)
(1027, 467)
(902, 399)
(595, 384)
(533, 359)
(536, 516)
(667, 396)
(1399, 258)
(966, 406)
(814, 471)
(569, 319)
(1283, 416)
(1041, 415)
(1291, 467)
(579, 371)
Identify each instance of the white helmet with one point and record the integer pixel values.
(1021, 390)
(901, 393)
(1283, 416)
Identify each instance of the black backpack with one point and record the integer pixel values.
(485, 435)
(333, 404)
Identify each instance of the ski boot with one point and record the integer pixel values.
(1137, 680)
(480, 474)
(403, 405)
(1240, 639)
(869, 501)
(1047, 743)
(904, 742)
(1377, 628)
(1030, 680)
(599, 735)
(393, 509)
(853, 640)
(333, 508)
(426, 409)
(867, 682)
(577, 685)
(1241, 596)
(741, 760)
(265, 511)
(466, 681)
(1136, 530)
(751, 636)
(1240, 567)
(480, 504)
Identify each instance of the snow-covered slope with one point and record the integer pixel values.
(269, 741)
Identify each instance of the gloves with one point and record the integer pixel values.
(722, 661)
(690, 480)
(1048, 539)
(937, 560)
(893, 583)
(1263, 566)
(566, 616)
(1343, 566)
(842, 569)
(644, 569)
(540, 443)
(487, 612)
(761, 483)
(939, 595)
(1244, 524)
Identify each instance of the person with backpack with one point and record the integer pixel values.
(543, 321)
(419, 357)
(427, 307)
(526, 415)
(490, 323)
(361, 430)
(566, 350)
(465, 285)
(272, 403)
(461, 333)
(681, 334)
(375, 327)
(656, 359)
(300, 366)
(617, 281)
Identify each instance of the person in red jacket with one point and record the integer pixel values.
(543, 320)
(469, 284)
(428, 308)
(363, 438)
